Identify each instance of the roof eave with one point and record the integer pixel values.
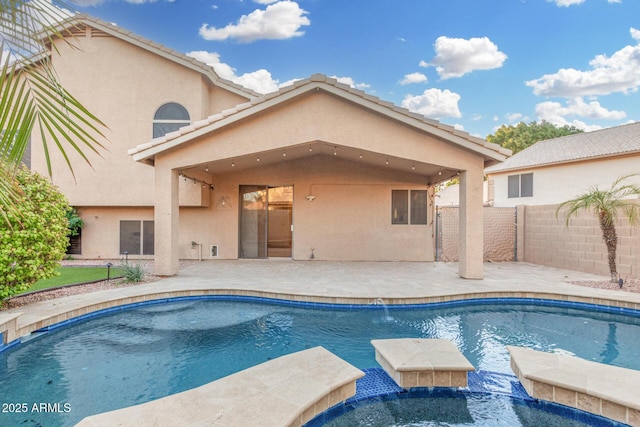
(159, 50)
(147, 151)
(564, 162)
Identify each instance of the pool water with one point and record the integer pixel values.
(450, 411)
(150, 351)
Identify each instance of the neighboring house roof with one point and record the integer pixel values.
(147, 151)
(608, 142)
(77, 24)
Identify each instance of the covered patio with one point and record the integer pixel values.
(361, 173)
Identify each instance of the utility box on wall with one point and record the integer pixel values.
(213, 251)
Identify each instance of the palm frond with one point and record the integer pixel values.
(31, 97)
(606, 203)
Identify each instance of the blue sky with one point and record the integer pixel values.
(474, 64)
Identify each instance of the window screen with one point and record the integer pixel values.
(418, 206)
(526, 185)
(520, 185)
(137, 237)
(514, 186)
(147, 237)
(130, 237)
(399, 207)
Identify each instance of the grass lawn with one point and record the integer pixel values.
(74, 275)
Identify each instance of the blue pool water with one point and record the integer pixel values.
(446, 407)
(150, 351)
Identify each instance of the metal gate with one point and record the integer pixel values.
(499, 227)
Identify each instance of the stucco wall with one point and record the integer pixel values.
(349, 219)
(555, 184)
(100, 232)
(123, 85)
(580, 246)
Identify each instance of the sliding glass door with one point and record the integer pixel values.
(265, 221)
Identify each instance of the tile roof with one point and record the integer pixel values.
(315, 82)
(601, 143)
(74, 24)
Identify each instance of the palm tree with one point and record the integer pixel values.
(607, 204)
(31, 98)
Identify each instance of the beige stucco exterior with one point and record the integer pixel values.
(341, 150)
(553, 184)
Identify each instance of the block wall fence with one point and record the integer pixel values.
(534, 234)
(544, 239)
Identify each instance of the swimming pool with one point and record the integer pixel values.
(148, 351)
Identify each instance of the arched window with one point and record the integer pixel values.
(168, 118)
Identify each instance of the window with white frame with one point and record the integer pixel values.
(169, 117)
(520, 185)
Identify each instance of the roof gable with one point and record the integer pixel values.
(608, 142)
(78, 24)
(490, 151)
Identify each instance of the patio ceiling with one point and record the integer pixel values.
(433, 173)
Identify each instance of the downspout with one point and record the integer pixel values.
(437, 228)
(515, 232)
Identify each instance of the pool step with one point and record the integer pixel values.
(417, 362)
(287, 391)
(606, 390)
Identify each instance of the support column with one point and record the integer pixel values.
(471, 224)
(166, 216)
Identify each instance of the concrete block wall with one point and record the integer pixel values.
(545, 240)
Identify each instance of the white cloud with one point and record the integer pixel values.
(280, 20)
(512, 117)
(617, 73)
(567, 3)
(434, 103)
(413, 78)
(349, 81)
(97, 2)
(457, 57)
(557, 114)
(87, 2)
(260, 81)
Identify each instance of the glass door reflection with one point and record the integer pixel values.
(266, 219)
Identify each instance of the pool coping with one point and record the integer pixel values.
(343, 283)
(609, 391)
(287, 391)
(16, 324)
(376, 386)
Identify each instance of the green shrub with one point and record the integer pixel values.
(132, 272)
(75, 222)
(33, 239)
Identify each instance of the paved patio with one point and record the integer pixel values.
(331, 282)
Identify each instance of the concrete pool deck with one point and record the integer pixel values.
(327, 282)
